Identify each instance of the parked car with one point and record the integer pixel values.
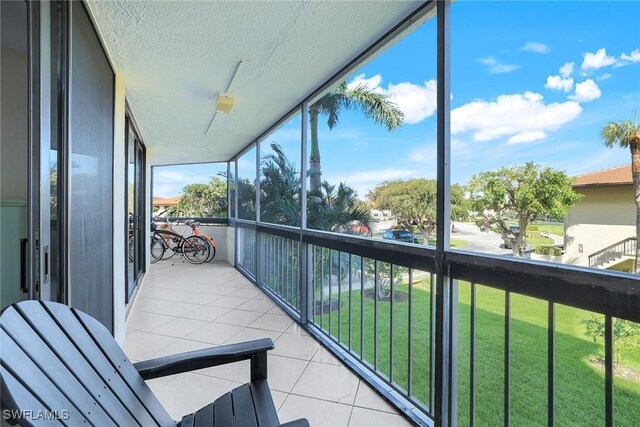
(400, 236)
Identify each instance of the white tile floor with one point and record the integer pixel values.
(182, 307)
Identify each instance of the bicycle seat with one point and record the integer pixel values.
(169, 222)
(189, 221)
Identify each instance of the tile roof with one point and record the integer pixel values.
(613, 176)
(166, 200)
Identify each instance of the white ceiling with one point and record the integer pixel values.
(176, 57)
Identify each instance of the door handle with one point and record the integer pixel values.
(24, 265)
(45, 254)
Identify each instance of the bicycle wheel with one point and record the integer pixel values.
(171, 247)
(212, 252)
(195, 249)
(131, 250)
(157, 250)
(212, 246)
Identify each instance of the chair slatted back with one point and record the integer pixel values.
(58, 360)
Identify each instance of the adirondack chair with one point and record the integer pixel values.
(58, 363)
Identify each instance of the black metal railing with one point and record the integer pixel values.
(626, 247)
(373, 304)
(201, 220)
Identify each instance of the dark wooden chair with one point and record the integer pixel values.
(59, 363)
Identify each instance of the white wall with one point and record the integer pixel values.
(231, 245)
(605, 216)
(119, 220)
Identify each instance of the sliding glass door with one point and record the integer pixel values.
(135, 186)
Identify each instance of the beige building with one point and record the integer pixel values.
(605, 217)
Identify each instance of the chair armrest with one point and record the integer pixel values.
(255, 350)
(302, 422)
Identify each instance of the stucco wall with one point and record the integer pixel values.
(605, 215)
(119, 220)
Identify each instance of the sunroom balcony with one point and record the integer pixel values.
(347, 353)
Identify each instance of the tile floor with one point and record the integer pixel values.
(182, 307)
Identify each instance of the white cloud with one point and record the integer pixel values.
(520, 117)
(631, 58)
(586, 91)
(567, 69)
(417, 102)
(536, 47)
(595, 61)
(496, 67)
(605, 76)
(535, 135)
(373, 83)
(558, 83)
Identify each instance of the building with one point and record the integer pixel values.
(164, 204)
(102, 91)
(603, 219)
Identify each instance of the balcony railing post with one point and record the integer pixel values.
(306, 279)
(445, 323)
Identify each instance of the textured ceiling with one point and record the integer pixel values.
(177, 56)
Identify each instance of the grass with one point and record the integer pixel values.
(540, 241)
(579, 385)
(454, 243)
(557, 229)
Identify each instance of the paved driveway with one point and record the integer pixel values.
(479, 241)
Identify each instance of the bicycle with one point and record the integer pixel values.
(210, 240)
(194, 249)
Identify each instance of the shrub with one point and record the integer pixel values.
(548, 250)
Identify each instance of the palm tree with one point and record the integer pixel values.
(372, 104)
(337, 209)
(627, 135)
(279, 189)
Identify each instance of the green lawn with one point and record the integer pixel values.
(540, 241)
(579, 384)
(455, 243)
(557, 229)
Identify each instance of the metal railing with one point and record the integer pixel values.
(374, 305)
(201, 220)
(626, 247)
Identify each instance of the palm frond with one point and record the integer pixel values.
(619, 134)
(374, 105)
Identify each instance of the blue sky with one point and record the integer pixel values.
(531, 81)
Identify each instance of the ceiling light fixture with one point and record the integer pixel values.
(224, 101)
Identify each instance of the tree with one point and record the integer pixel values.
(337, 209)
(279, 189)
(246, 198)
(203, 200)
(627, 135)
(372, 104)
(412, 202)
(624, 333)
(521, 193)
